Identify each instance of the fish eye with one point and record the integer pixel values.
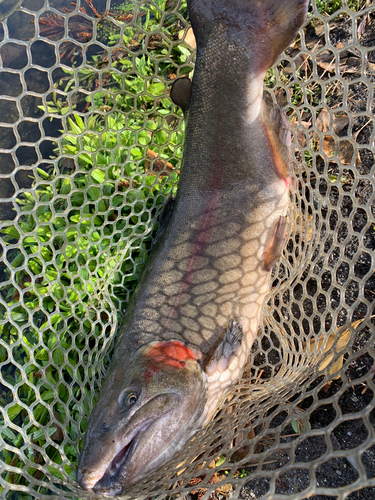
(128, 398)
(131, 399)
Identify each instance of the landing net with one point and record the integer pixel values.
(90, 149)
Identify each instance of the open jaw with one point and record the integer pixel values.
(118, 456)
(112, 482)
(119, 460)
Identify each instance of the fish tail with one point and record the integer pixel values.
(265, 27)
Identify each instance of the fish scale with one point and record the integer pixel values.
(205, 282)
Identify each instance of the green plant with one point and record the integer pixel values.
(331, 6)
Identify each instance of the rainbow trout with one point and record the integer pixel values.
(187, 334)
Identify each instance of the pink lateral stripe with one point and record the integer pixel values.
(200, 244)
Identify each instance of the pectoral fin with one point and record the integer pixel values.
(227, 349)
(273, 251)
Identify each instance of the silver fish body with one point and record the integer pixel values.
(188, 332)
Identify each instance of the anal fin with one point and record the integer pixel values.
(279, 137)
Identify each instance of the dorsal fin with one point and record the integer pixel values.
(181, 92)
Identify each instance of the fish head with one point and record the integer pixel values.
(151, 404)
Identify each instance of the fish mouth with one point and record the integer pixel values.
(117, 455)
(118, 468)
(120, 459)
(112, 481)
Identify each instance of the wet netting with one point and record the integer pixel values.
(90, 149)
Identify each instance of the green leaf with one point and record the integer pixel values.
(58, 356)
(156, 89)
(297, 426)
(14, 410)
(42, 173)
(98, 175)
(142, 65)
(55, 472)
(220, 460)
(11, 231)
(8, 433)
(19, 316)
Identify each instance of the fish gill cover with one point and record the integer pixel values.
(91, 147)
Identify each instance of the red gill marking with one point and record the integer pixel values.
(171, 349)
(172, 353)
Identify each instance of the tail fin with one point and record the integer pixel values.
(266, 27)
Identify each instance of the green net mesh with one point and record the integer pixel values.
(90, 149)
